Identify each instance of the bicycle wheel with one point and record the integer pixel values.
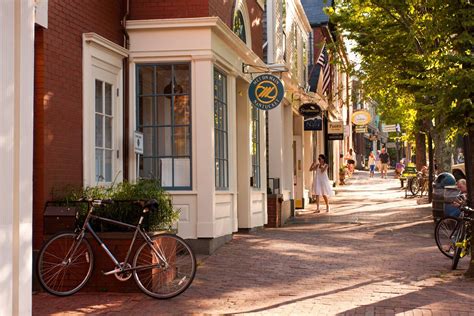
(415, 185)
(444, 235)
(164, 279)
(457, 250)
(65, 264)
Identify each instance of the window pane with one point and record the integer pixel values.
(108, 132)
(181, 78)
(99, 130)
(98, 96)
(182, 172)
(182, 141)
(217, 173)
(150, 136)
(145, 110)
(163, 79)
(162, 116)
(166, 172)
(145, 80)
(108, 99)
(99, 163)
(225, 171)
(182, 110)
(164, 141)
(108, 166)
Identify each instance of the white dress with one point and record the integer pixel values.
(321, 184)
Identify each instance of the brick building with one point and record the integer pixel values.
(105, 69)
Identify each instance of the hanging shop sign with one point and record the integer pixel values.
(313, 123)
(312, 116)
(336, 130)
(361, 129)
(266, 92)
(361, 117)
(310, 110)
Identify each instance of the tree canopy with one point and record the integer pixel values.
(416, 57)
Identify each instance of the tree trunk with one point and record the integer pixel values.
(468, 164)
(420, 140)
(442, 151)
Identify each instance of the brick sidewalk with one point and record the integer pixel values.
(373, 254)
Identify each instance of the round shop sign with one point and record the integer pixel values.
(266, 92)
(361, 117)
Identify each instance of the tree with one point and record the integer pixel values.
(417, 63)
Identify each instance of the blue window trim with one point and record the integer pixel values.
(221, 132)
(172, 126)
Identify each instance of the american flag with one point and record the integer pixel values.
(323, 62)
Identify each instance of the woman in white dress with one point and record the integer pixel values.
(321, 184)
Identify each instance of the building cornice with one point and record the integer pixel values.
(103, 42)
(215, 24)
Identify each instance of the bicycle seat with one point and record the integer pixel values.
(150, 204)
(467, 209)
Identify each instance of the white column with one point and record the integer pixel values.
(16, 155)
(275, 143)
(203, 135)
(232, 138)
(244, 170)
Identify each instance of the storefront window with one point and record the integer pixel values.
(164, 118)
(221, 131)
(255, 150)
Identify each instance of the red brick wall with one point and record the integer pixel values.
(256, 24)
(319, 39)
(225, 10)
(58, 94)
(168, 9)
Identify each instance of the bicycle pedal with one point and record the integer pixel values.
(111, 271)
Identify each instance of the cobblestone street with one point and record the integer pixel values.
(372, 254)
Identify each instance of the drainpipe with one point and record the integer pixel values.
(125, 95)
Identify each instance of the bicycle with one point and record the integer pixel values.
(418, 184)
(164, 266)
(445, 228)
(462, 235)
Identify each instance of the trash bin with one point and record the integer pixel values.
(450, 194)
(444, 179)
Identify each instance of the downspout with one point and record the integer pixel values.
(126, 114)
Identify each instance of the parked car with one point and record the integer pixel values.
(458, 171)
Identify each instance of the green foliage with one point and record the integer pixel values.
(124, 209)
(416, 58)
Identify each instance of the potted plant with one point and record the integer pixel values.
(124, 209)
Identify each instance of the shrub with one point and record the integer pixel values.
(124, 209)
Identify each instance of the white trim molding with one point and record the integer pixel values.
(101, 59)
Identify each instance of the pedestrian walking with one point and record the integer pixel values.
(384, 160)
(321, 184)
(371, 163)
(378, 164)
(350, 158)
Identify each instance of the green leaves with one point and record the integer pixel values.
(414, 50)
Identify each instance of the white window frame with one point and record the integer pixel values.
(102, 60)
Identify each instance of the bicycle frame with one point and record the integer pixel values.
(86, 227)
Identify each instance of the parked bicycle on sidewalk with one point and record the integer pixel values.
(163, 266)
